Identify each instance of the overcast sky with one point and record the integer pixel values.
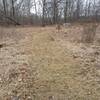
(38, 6)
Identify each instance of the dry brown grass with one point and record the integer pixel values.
(47, 65)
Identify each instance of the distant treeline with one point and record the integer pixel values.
(44, 12)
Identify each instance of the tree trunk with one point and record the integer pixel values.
(13, 9)
(43, 15)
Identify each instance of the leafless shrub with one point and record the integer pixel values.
(98, 41)
(58, 27)
(1, 33)
(89, 33)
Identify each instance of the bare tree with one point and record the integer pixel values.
(65, 11)
(13, 8)
(43, 15)
(4, 6)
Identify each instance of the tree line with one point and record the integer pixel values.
(44, 12)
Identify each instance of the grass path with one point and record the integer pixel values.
(59, 75)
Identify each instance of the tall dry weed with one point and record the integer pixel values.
(89, 33)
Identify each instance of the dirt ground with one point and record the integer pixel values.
(45, 64)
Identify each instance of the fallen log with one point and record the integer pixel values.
(9, 18)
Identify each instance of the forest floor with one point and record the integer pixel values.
(45, 64)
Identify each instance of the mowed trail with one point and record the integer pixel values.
(46, 70)
(59, 75)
